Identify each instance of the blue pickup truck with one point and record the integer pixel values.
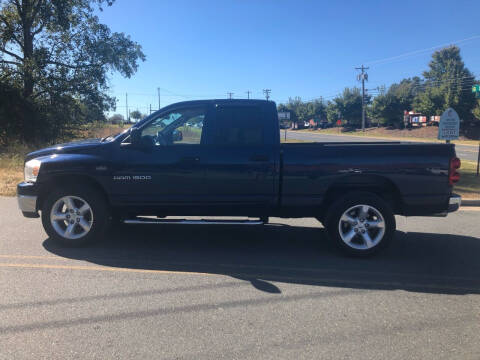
(224, 158)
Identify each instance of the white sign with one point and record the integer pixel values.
(284, 115)
(449, 126)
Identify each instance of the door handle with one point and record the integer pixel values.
(259, 158)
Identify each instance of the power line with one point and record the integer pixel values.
(416, 52)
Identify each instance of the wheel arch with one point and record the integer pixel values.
(70, 180)
(376, 184)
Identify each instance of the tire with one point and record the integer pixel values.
(75, 216)
(361, 223)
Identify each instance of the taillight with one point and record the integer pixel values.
(453, 175)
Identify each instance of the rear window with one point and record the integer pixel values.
(238, 125)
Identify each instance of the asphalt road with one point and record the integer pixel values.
(464, 152)
(279, 291)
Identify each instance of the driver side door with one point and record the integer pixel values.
(169, 170)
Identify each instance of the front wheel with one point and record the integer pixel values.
(75, 216)
(361, 223)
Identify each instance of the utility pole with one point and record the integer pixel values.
(362, 77)
(230, 94)
(126, 107)
(267, 93)
(158, 91)
(248, 94)
(150, 109)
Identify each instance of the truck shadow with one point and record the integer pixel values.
(264, 255)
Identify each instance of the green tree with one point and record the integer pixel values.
(304, 111)
(136, 115)
(430, 102)
(332, 112)
(58, 55)
(116, 119)
(476, 112)
(349, 104)
(388, 108)
(295, 106)
(447, 84)
(317, 110)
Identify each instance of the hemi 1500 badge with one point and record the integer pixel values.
(134, 177)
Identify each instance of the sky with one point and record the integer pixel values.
(199, 49)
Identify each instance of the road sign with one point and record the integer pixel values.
(449, 126)
(284, 115)
(339, 122)
(476, 88)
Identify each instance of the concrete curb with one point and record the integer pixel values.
(470, 202)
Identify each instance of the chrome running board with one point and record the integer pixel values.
(192, 222)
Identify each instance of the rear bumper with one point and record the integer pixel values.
(27, 199)
(428, 205)
(454, 203)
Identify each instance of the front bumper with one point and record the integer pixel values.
(27, 199)
(454, 203)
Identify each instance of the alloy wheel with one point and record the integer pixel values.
(361, 227)
(71, 217)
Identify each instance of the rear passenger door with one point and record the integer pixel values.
(240, 168)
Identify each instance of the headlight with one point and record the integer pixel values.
(32, 167)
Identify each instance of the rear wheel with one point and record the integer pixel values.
(361, 223)
(75, 216)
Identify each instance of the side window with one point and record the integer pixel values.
(190, 132)
(238, 125)
(178, 127)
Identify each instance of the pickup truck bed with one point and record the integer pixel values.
(414, 176)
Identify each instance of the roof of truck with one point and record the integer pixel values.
(203, 102)
(219, 101)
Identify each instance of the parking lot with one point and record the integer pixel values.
(279, 291)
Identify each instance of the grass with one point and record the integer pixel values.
(11, 172)
(469, 184)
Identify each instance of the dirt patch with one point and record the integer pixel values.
(9, 178)
(430, 132)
